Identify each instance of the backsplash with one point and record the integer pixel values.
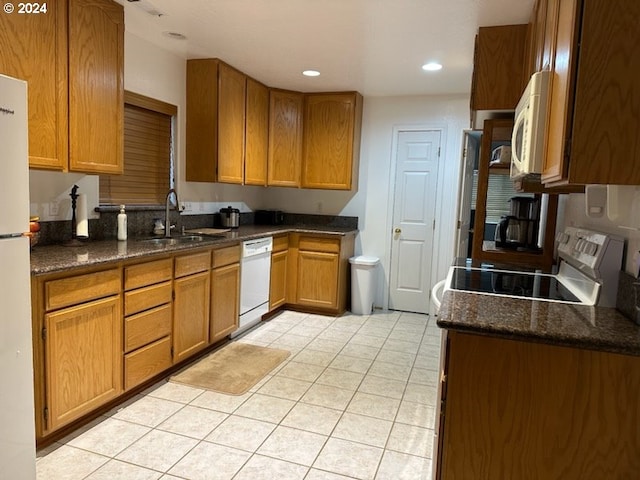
(140, 224)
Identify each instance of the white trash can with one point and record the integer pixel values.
(363, 283)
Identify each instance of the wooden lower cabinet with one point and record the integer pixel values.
(225, 300)
(83, 356)
(190, 315)
(317, 272)
(317, 279)
(146, 362)
(515, 409)
(278, 285)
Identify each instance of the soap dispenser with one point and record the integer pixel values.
(122, 224)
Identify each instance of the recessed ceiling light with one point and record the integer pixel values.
(311, 73)
(175, 35)
(432, 66)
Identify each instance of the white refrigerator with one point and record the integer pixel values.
(17, 430)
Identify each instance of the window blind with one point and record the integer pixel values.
(148, 144)
(499, 191)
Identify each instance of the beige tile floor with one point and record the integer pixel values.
(355, 400)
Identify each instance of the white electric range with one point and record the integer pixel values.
(587, 274)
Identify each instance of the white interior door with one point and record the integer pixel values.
(413, 220)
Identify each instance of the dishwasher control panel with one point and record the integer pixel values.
(257, 246)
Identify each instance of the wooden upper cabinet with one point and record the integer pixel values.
(331, 139)
(498, 79)
(232, 87)
(285, 138)
(256, 133)
(593, 117)
(202, 120)
(34, 48)
(96, 86)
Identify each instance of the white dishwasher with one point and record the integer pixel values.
(255, 274)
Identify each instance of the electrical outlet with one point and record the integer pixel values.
(54, 208)
(186, 206)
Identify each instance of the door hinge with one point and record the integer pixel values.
(567, 148)
(45, 414)
(172, 351)
(459, 224)
(439, 152)
(44, 333)
(434, 223)
(464, 152)
(173, 294)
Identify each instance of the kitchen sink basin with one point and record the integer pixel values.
(174, 240)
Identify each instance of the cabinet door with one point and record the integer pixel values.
(285, 138)
(225, 300)
(556, 161)
(96, 88)
(318, 279)
(190, 315)
(231, 120)
(278, 286)
(497, 81)
(330, 143)
(257, 134)
(202, 120)
(83, 359)
(34, 48)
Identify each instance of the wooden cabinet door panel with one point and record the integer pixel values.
(497, 82)
(96, 86)
(278, 286)
(232, 86)
(328, 141)
(285, 138)
(318, 279)
(34, 48)
(256, 133)
(191, 315)
(83, 359)
(202, 120)
(146, 362)
(556, 162)
(225, 299)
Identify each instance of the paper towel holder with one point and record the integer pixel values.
(74, 242)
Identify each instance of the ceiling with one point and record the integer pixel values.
(376, 47)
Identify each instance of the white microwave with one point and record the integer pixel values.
(528, 138)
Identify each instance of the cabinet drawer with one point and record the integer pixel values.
(146, 327)
(280, 243)
(81, 288)
(146, 298)
(146, 362)
(226, 256)
(144, 274)
(320, 244)
(189, 264)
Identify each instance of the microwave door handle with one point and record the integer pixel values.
(514, 137)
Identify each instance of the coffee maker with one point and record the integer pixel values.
(520, 228)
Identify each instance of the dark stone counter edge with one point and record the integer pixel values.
(600, 345)
(43, 259)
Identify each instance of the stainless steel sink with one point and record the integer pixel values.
(174, 240)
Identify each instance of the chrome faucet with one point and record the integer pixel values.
(167, 221)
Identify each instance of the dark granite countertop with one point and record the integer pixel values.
(571, 325)
(53, 258)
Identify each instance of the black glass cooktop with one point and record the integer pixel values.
(515, 284)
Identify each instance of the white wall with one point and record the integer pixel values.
(573, 212)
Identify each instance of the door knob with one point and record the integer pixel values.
(398, 230)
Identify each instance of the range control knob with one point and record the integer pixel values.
(562, 238)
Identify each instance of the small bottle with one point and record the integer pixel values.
(122, 224)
